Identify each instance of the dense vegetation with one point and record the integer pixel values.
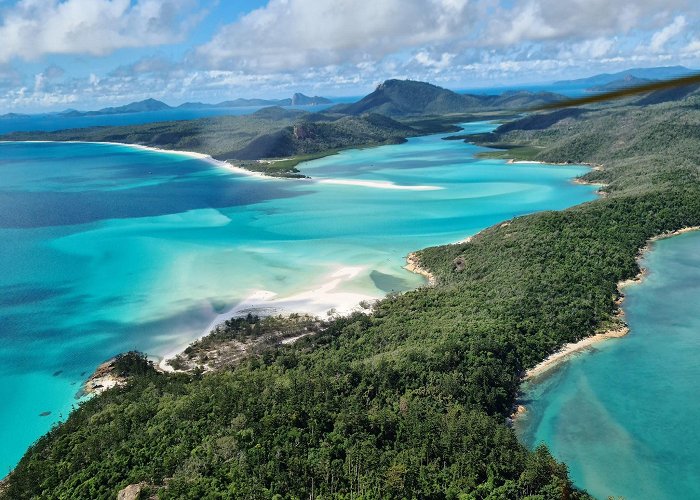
(642, 146)
(409, 400)
(236, 338)
(132, 363)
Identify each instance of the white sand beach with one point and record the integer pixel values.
(320, 301)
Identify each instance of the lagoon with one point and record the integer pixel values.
(107, 248)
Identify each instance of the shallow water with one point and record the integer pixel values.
(623, 415)
(107, 248)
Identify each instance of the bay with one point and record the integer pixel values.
(107, 248)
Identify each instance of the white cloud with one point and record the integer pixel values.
(334, 47)
(536, 20)
(528, 23)
(292, 34)
(588, 49)
(662, 37)
(288, 35)
(428, 60)
(693, 47)
(33, 28)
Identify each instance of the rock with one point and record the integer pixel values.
(301, 132)
(131, 492)
(104, 378)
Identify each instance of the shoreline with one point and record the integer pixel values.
(318, 301)
(567, 350)
(413, 266)
(251, 173)
(102, 379)
(322, 300)
(556, 359)
(592, 166)
(190, 154)
(576, 180)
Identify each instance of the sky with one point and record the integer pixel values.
(86, 54)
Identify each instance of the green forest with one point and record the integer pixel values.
(410, 399)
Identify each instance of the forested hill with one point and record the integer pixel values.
(409, 400)
(401, 98)
(649, 145)
(269, 133)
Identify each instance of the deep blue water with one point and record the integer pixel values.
(107, 248)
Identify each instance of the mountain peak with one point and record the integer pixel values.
(396, 98)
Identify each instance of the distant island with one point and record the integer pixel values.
(150, 104)
(658, 73)
(296, 100)
(273, 140)
(627, 81)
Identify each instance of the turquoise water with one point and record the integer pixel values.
(107, 248)
(624, 415)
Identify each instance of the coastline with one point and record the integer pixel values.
(250, 173)
(323, 300)
(413, 265)
(576, 180)
(190, 154)
(318, 301)
(563, 354)
(557, 358)
(103, 378)
(592, 166)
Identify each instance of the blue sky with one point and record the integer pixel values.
(57, 54)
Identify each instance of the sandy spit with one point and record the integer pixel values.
(324, 300)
